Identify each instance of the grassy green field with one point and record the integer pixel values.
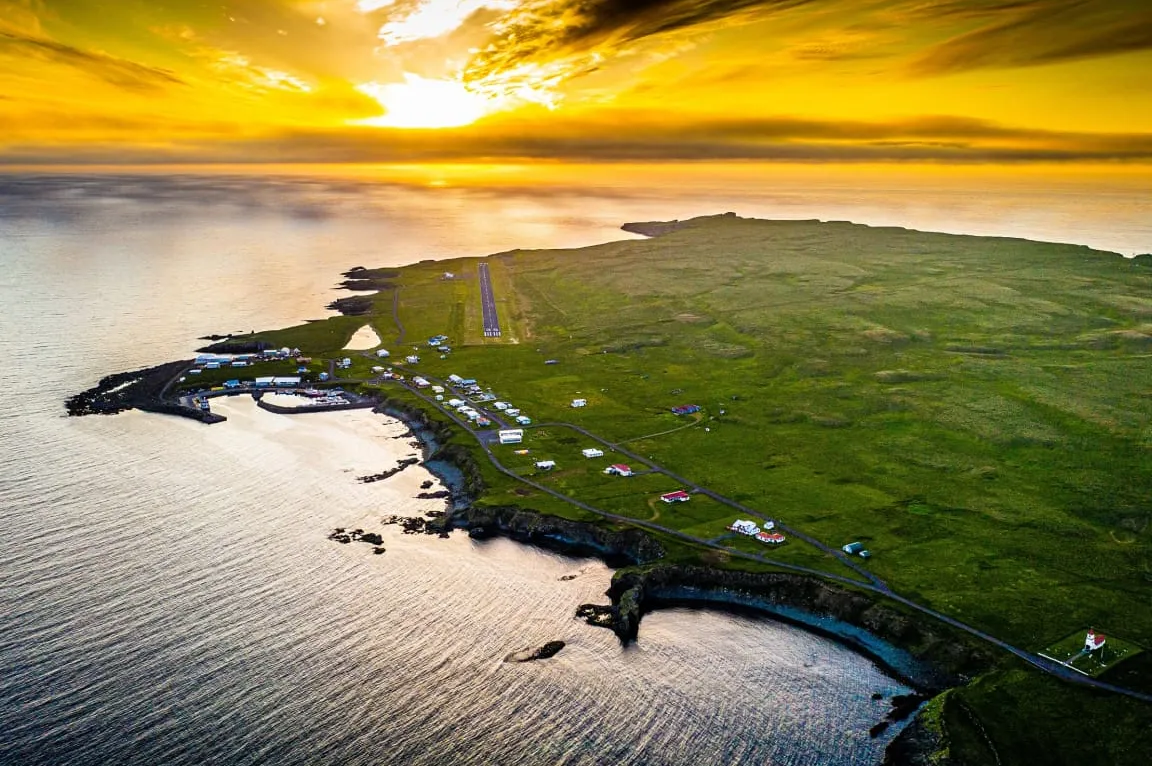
(977, 411)
(1070, 651)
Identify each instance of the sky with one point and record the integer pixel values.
(940, 81)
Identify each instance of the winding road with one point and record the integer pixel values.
(871, 583)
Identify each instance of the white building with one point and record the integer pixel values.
(456, 402)
(545, 465)
(437, 389)
(383, 353)
(511, 436)
(413, 359)
(524, 420)
(500, 405)
(744, 527)
(593, 452)
(420, 382)
(512, 412)
(579, 402)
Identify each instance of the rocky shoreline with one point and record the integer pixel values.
(138, 389)
(929, 657)
(941, 657)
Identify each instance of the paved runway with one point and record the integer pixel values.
(488, 304)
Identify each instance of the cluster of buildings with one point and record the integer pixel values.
(856, 549)
(752, 529)
(219, 361)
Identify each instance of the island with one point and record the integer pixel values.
(936, 442)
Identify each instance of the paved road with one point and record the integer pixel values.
(486, 439)
(488, 303)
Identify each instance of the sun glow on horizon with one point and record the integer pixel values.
(420, 102)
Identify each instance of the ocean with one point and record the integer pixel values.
(168, 591)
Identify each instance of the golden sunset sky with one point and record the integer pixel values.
(576, 80)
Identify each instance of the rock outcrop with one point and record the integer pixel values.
(550, 649)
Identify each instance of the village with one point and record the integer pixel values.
(493, 420)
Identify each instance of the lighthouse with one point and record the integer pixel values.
(1093, 640)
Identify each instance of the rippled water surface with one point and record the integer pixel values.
(168, 592)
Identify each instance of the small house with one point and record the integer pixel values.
(238, 363)
(511, 436)
(679, 496)
(579, 402)
(412, 359)
(437, 389)
(211, 365)
(346, 362)
(467, 381)
(323, 376)
(618, 469)
(512, 412)
(771, 538)
(686, 409)
(524, 420)
(545, 465)
(420, 382)
(483, 422)
(232, 384)
(500, 405)
(593, 452)
(383, 353)
(551, 361)
(377, 369)
(456, 402)
(853, 548)
(455, 380)
(264, 382)
(286, 381)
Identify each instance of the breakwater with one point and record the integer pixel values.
(142, 389)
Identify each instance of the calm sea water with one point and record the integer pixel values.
(167, 589)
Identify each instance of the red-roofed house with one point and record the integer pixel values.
(618, 469)
(772, 538)
(679, 496)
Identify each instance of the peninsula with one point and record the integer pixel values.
(973, 413)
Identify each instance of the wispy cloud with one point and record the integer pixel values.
(1036, 32)
(116, 71)
(634, 137)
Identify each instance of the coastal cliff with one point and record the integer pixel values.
(622, 547)
(946, 657)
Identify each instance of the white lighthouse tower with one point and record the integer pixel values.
(1093, 640)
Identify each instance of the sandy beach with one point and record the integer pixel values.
(364, 339)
